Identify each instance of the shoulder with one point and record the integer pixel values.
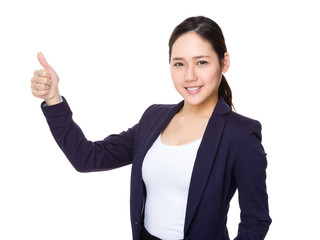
(154, 113)
(241, 126)
(241, 120)
(237, 124)
(157, 109)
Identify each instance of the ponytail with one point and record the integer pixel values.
(225, 91)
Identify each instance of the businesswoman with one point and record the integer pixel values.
(187, 159)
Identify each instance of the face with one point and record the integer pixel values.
(195, 69)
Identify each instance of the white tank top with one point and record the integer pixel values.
(166, 172)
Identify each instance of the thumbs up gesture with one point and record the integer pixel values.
(44, 83)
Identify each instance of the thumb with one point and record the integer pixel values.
(43, 61)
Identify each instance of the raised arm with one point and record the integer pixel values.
(86, 156)
(112, 152)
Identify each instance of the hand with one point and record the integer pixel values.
(44, 83)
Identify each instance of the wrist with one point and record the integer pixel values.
(53, 101)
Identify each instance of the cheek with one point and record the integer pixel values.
(177, 77)
(211, 77)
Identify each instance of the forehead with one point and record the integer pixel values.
(191, 44)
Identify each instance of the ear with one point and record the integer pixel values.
(225, 62)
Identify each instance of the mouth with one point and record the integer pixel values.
(193, 89)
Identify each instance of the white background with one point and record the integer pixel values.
(112, 59)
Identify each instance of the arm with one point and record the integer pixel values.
(250, 176)
(86, 156)
(114, 151)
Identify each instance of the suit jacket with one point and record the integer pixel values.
(230, 157)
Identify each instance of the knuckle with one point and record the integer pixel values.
(46, 81)
(40, 87)
(37, 72)
(40, 73)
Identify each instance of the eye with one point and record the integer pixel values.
(178, 64)
(202, 62)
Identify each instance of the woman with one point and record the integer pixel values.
(187, 159)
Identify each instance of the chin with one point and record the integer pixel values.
(193, 102)
(198, 101)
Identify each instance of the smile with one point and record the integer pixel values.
(193, 89)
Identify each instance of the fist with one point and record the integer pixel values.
(44, 83)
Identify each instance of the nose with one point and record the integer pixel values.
(190, 74)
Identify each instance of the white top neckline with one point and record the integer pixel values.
(180, 145)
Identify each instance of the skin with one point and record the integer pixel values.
(193, 63)
(44, 83)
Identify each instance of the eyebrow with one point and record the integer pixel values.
(196, 57)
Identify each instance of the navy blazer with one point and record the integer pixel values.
(230, 157)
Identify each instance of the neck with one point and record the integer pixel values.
(203, 110)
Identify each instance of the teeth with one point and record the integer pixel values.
(193, 88)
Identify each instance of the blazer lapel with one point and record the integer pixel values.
(205, 159)
(137, 189)
(159, 125)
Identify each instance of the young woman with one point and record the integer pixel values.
(187, 159)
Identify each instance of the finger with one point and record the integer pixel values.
(43, 61)
(42, 73)
(39, 93)
(36, 72)
(39, 87)
(41, 80)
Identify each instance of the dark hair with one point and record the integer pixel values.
(211, 32)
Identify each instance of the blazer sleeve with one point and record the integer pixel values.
(250, 177)
(87, 156)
